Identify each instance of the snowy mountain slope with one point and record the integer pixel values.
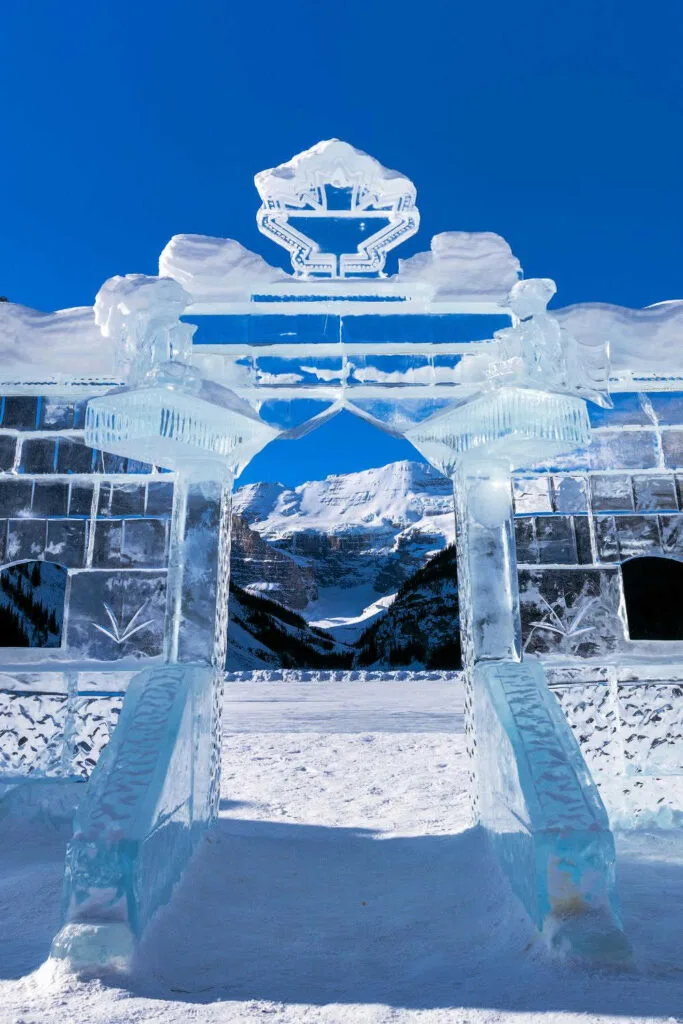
(421, 627)
(361, 535)
(263, 633)
(389, 499)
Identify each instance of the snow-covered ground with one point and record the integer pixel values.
(342, 885)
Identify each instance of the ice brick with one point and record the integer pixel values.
(159, 499)
(55, 414)
(654, 492)
(637, 535)
(25, 539)
(144, 542)
(624, 449)
(556, 543)
(20, 412)
(16, 497)
(569, 494)
(133, 625)
(8, 447)
(672, 446)
(80, 498)
(38, 455)
(50, 498)
(74, 456)
(66, 542)
(611, 492)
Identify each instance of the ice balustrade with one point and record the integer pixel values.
(477, 403)
(628, 719)
(54, 725)
(146, 806)
(544, 814)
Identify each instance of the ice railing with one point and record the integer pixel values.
(147, 804)
(297, 675)
(542, 812)
(628, 719)
(55, 724)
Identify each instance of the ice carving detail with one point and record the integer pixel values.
(141, 315)
(331, 182)
(118, 633)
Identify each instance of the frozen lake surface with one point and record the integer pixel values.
(343, 884)
(344, 707)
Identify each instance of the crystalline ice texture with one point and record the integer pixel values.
(141, 317)
(543, 813)
(337, 210)
(176, 419)
(522, 425)
(145, 807)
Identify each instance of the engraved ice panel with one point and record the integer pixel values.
(115, 615)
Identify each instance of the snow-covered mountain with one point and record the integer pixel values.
(360, 536)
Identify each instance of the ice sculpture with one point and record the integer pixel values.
(539, 352)
(124, 478)
(142, 317)
(333, 186)
(544, 814)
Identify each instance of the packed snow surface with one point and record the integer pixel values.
(342, 885)
(465, 265)
(218, 269)
(52, 346)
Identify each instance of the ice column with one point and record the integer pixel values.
(532, 791)
(487, 567)
(157, 785)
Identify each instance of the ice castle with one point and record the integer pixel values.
(123, 426)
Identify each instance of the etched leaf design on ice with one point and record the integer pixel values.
(119, 633)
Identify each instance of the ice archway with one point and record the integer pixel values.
(217, 357)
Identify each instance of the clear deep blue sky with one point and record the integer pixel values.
(556, 124)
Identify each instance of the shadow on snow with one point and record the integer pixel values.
(308, 914)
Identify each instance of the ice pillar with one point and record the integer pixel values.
(156, 787)
(531, 789)
(487, 567)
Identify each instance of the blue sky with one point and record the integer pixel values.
(557, 125)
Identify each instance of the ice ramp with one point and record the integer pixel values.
(544, 814)
(146, 805)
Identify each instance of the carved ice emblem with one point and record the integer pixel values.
(337, 210)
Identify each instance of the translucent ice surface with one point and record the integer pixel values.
(336, 209)
(146, 805)
(543, 812)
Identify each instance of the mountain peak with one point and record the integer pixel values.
(392, 496)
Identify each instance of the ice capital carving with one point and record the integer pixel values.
(337, 210)
(538, 350)
(141, 316)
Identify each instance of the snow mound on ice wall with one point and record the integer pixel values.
(216, 268)
(33, 344)
(462, 264)
(648, 340)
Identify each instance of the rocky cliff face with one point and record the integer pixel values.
(259, 567)
(421, 629)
